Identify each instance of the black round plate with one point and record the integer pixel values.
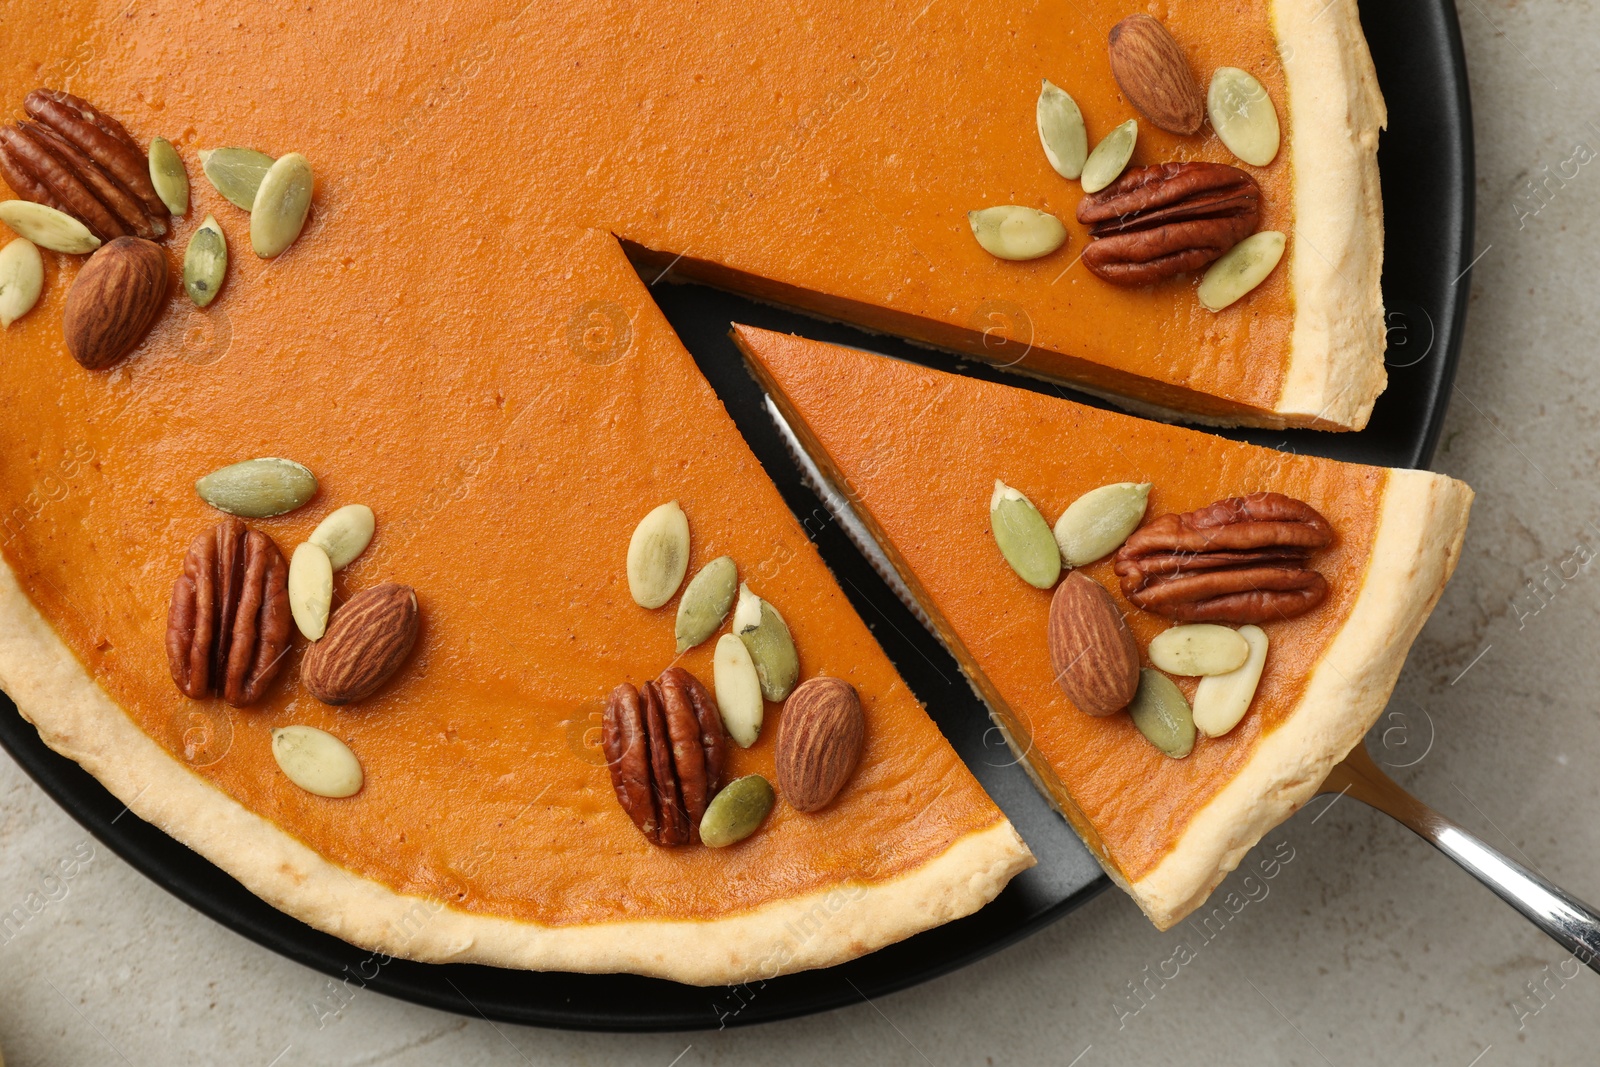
(1427, 164)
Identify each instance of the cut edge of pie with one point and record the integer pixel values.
(1417, 542)
(77, 719)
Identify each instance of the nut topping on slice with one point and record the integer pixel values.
(1093, 652)
(128, 209)
(366, 641)
(102, 139)
(819, 742)
(114, 301)
(1240, 560)
(228, 626)
(1152, 70)
(664, 745)
(1157, 222)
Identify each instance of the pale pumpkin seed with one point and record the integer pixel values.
(21, 280)
(1096, 524)
(236, 173)
(658, 555)
(1162, 715)
(1024, 537)
(1221, 700)
(205, 263)
(1110, 157)
(1199, 650)
(310, 589)
(736, 812)
(1242, 114)
(1245, 266)
(1014, 232)
(281, 205)
(47, 227)
(258, 488)
(316, 761)
(706, 602)
(771, 647)
(1061, 132)
(738, 690)
(345, 534)
(168, 175)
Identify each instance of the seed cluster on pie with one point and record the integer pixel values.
(1244, 560)
(1151, 224)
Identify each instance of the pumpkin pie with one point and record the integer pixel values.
(458, 340)
(915, 453)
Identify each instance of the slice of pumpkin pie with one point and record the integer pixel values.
(1206, 628)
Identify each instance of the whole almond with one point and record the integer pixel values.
(1091, 648)
(366, 641)
(114, 301)
(819, 742)
(1154, 74)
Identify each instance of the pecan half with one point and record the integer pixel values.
(1156, 222)
(128, 209)
(101, 137)
(1239, 560)
(77, 159)
(228, 628)
(665, 746)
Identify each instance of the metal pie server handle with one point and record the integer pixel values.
(1573, 924)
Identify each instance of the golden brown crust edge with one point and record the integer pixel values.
(78, 719)
(1335, 368)
(1421, 524)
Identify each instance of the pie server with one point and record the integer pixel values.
(1574, 925)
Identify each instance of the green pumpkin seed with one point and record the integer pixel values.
(21, 280)
(310, 590)
(736, 812)
(766, 636)
(1245, 266)
(1222, 700)
(1110, 157)
(1024, 537)
(1096, 524)
(236, 173)
(281, 205)
(1162, 715)
(168, 175)
(47, 227)
(205, 263)
(738, 690)
(658, 555)
(1242, 114)
(1061, 132)
(1199, 650)
(706, 602)
(316, 761)
(345, 534)
(258, 488)
(1014, 232)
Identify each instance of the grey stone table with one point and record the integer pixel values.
(1367, 947)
